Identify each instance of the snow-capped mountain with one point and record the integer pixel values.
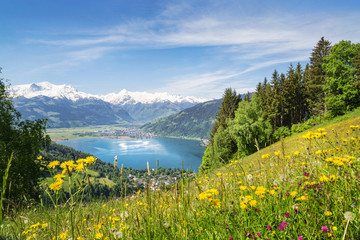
(123, 97)
(50, 90)
(59, 102)
(126, 97)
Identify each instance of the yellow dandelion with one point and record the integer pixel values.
(56, 186)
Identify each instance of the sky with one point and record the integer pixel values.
(187, 47)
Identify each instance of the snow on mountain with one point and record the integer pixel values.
(49, 90)
(126, 97)
(123, 97)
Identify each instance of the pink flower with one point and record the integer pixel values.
(300, 238)
(269, 228)
(287, 214)
(282, 226)
(231, 238)
(324, 229)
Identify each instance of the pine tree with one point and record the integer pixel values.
(230, 103)
(314, 82)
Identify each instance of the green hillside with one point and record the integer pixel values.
(305, 187)
(195, 122)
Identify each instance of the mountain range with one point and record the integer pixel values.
(65, 106)
(195, 122)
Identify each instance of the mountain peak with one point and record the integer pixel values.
(123, 97)
(49, 90)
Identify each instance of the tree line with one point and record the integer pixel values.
(328, 86)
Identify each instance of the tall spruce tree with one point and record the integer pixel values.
(229, 104)
(315, 80)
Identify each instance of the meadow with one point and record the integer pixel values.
(303, 187)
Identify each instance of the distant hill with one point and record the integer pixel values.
(195, 121)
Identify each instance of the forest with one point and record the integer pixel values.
(288, 103)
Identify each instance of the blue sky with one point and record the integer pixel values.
(193, 47)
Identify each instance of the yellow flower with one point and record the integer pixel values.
(79, 167)
(324, 178)
(252, 203)
(265, 156)
(53, 164)
(296, 153)
(216, 203)
(99, 236)
(90, 159)
(243, 205)
(44, 225)
(334, 228)
(55, 186)
(328, 213)
(243, 188)
(63, 236)
(35, 225)
(59, 176)
(293, 193)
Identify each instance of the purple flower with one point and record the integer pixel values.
(324, 229)
(287, 214)
(253, 236)
(282, 226)
(300, 238)
(269, 228)
(231, 238)
(306, 174)
(287, 193)
(258, 234)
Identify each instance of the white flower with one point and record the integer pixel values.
(249, 177)
(349, 216)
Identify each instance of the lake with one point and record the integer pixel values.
(136, 153)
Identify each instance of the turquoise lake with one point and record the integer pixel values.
(135, 153)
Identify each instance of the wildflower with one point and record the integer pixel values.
(324, 178)
(265, 156)
(99, 235)
(231, 238)
(252, 203)
(35, 225)
(293, 193)
(56, 186)
(283, 225)
(269, 228)
(216, 203)
(63, 236)
(300, 237)
(349, 216)
(306, 174)
(59, 176)
(287, 214)
(243, 188)
(334, 228)
(296, 153)
(79, 167)
(258, 234)
(328, 213)
(53, 164)
(324, 229)
(277, 153)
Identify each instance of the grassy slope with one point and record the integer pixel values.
(261, 196)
